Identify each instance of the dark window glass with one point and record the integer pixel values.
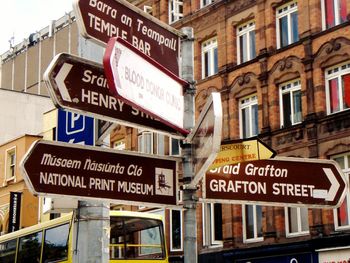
(176, 229)
(56, 243)
(206, 64)
(249, 217)
(8, 251)
(218, 222)
(287, 114)
(295, 34)
(346, 90)
(252, 44)
(255, 119)
(284, 31)
(29, 248)
(216, 63)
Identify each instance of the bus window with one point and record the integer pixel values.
(29, 248)
(56, 244)
(136, 238)
(8, 251)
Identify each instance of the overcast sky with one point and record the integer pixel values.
(20, 18)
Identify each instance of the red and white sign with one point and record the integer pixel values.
(144, 84)
(282, 181)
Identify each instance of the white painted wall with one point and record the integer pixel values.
(21, 113)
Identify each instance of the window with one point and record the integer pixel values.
(176, 230)
(212, 217)
(287, 24)
(338, 88)
(119, 145)
(160, 141)
(248, 116)
(147, 9)
(246, 42)
(10, 164)
(297, 221)
(341, 214)
(290, 103)
(333, 13)
(174, 146)
(209, 58)
(206, 2)
(29, 248)
(175, 10)
(8, 251)
(56, 244)
(252, 223)
(145, 142)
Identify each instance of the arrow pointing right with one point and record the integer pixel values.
(331, 193)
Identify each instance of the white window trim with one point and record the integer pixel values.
(300, 232)
(323, 14)
(250, 101)
(337, 72)
(346, 172)
(174, 10)
(147, 9)
(202, 5)
(295, 85)
(181, 230)
(208, 46)
(209, 243)
(140, 136)
(285, 13)
(245, 239)
(246, 29)
(7, 164)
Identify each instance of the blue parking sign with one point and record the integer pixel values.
(75, 128)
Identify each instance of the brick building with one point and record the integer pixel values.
(283, 71)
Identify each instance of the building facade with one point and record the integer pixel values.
(283, 71)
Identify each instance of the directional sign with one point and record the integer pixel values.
(80, 85)
(287, 181)
(102, 19)
(56, 169)
(144, 84)
(206, 136)
(75, 128)
(240, 151)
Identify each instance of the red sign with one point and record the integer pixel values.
(287, 181)
(143, 83)
(56, 169)
(102, 19)
(80, 85)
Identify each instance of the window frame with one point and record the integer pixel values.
(346, 171)
(286, 10)
(300, 231)
(245, 29)
(204, 3)
(256, 238)
(9, 166)
(181, 231)
(337, 71)
(337, 17)
(142, 143)
(174, 10)
(209, 46)
(244, 103)
(295, 85)
(208, 214)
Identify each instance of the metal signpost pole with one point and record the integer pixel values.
(189, 194)
(92, 235)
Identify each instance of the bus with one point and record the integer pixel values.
(135, 237)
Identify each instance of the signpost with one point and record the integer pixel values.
(80, 85)
(241, 151)
(144, 83)
(206, 136)
(63, 169)
(288, 181)
(100, 20)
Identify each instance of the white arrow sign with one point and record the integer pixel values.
(331, 193)
(60, 78)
